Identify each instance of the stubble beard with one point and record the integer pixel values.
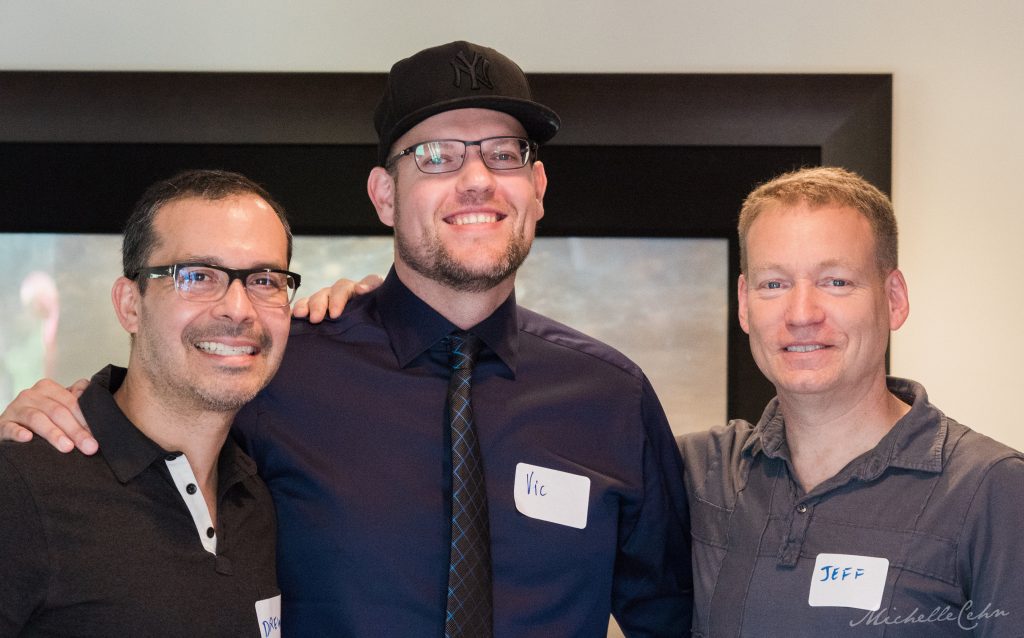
(430, 258)
(191, 391)
(222, 401)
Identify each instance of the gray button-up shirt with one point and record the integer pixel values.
(942, 503)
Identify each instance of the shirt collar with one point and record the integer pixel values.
(915, 442)
(127, 450)
(413, 326)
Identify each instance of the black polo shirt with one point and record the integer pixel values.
(105, 545)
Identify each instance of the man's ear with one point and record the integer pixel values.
(741, 298)
(898, 296)
(380, 186)
(540, 185)
(127, 302)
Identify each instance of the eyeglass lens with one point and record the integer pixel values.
(205, 283)
(498, 153)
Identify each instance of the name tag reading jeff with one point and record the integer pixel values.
(552, 495)
(268, 614)
(846, 580)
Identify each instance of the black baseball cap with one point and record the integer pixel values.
(457, 75)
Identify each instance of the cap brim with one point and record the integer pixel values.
(540, 122)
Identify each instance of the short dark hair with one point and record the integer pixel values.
(140, 238)
(823, 186)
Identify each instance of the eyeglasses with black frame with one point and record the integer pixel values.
(267, 287)
(447, 156)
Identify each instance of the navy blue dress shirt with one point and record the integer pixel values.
(351, 439)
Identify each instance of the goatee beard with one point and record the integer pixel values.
(439, 265)
(432, 260)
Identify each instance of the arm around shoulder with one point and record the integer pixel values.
(50, 411)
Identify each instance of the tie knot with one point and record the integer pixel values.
(464, 348)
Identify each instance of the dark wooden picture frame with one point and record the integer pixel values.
(648, 155)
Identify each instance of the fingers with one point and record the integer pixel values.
(341, 292)
(301, 307)
(332, 301)
(83, 438)
(314, 307)
(318, 304)
(344, 290)
(11, 431)
(52, 412)
(76, 389)
(370, 282)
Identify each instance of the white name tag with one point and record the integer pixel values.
(552, 495)
(268, 612)
(845, 580)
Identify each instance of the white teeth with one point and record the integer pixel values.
(475, 218)
(803, 348)
(219, 348)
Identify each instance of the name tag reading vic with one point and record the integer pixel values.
(846, 580)
(552, 495)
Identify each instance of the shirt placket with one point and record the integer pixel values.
(799, 515)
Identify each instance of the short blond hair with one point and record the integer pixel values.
(823, 186)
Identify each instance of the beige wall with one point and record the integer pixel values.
(959, 93)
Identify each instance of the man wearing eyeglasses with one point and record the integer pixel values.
(168, 530)
(352, 438)
(562, 495)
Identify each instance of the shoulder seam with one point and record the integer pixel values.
(628, 366)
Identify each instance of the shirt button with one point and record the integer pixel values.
(171, 457)
(191, 488)
(209, 532)
(801, 508)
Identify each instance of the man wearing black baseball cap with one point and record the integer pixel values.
(574, 447)
(444, 461)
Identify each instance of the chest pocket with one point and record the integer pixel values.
(895, 517)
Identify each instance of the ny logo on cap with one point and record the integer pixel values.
(477, 70)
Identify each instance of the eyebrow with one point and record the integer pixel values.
(828, 263)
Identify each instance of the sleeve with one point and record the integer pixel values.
(24, 557)
(991, 565)
(652, 594)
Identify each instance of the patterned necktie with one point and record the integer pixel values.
(469, 571)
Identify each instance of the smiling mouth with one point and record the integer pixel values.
(474, 218)
(807, 348)
(212, 347)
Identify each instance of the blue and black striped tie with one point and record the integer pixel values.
(469, 607)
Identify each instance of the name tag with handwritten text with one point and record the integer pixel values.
(552, 495)
(268, 613)
(846, 580)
